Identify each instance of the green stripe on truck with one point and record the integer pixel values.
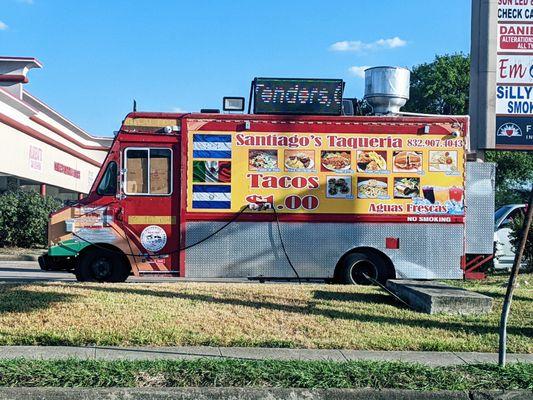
(69, 247)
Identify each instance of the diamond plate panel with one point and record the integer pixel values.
(479, 201)
(427, 251)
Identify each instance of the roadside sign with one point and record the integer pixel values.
(502, 65)
(514, 131)
(515, 69)
(514, 76)
(501, 90)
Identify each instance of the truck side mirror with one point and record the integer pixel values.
(120, 192)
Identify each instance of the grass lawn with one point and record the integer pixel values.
(276, 315)
(239, 373)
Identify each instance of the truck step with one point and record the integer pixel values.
(434, 297)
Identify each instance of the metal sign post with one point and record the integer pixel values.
(501, 76)
(512, 281)
(483, 75)
(501, 98)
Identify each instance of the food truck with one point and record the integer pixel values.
(281, 193)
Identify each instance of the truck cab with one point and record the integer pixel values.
(138, 186)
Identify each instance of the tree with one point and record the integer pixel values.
(24, 218)
(516, 236)
(442, 87)
(514, 172)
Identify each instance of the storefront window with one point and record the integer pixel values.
(148, 171)
(64, 195)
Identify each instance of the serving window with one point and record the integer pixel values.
(148, 171)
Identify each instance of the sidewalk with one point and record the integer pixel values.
(20, 254)
(20, 257)
(429, 358)
(198, 393)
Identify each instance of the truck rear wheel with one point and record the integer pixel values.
(357, 265)
(101, 266)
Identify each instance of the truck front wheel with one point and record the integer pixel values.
(101, 265)
(358, 266)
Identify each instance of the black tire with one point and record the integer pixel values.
(356, 265)
(99, 265)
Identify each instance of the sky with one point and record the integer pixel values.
(185, 55)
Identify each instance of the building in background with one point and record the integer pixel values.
(40, 149)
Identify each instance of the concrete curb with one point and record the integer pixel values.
(429, 358)
(249, 394)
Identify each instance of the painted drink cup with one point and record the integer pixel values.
(442, 195)
(429, 194)
(456, 194)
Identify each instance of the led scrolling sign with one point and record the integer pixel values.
(298, 96)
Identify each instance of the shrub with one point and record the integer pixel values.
(24, 218)
(515, 236)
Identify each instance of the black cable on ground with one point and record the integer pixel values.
(237, 215)
(283, 245)
(233, 219)
(385, 288)
(218, 230)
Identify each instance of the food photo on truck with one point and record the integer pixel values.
(297, 188)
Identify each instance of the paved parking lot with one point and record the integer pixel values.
(30, 271)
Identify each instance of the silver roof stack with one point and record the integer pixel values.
(387, 89)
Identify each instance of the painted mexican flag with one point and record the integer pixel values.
(211, 171)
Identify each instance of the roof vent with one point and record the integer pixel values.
(387, 89)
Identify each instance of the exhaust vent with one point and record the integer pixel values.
(387, 89)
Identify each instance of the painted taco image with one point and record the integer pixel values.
(336, 161)
(299, 159)
(261, 160)
(371, 161)
(406, 188)
(443, 161)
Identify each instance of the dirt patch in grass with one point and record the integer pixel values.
(275, 315)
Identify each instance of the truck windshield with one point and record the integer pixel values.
(108, 183)
(500, 214)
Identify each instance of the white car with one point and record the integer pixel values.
(503, 250)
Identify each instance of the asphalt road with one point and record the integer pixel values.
(30, 271)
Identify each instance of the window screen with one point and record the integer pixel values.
(108, 184)
(148, 171)
(137, 171)
(160, 171)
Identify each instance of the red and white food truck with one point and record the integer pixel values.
(280, 196)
